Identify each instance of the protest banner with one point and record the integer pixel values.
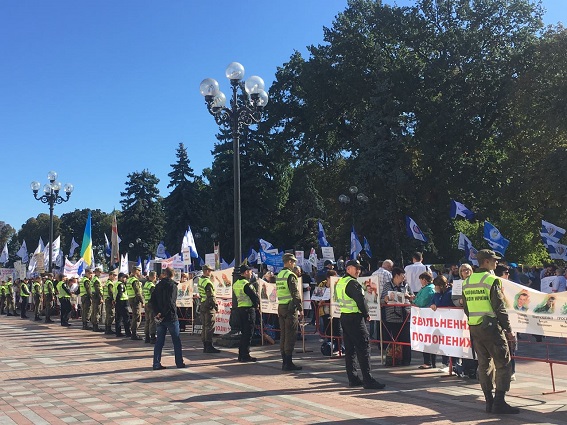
(222, 279)
(444, 331)
(222, 318)
(535, 312)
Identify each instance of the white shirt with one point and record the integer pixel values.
(412, 275)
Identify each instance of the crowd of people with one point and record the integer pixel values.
(121, 299)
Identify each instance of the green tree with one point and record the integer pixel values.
(142, 220)
(185, 205)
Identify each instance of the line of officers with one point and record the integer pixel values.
(108, 300)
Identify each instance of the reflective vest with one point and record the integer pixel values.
(122, 291)
(36, 289)
(284, 296)
(346, 303)
(243, 299)
(83, 283)
(48, 287)
(202, 286)
(476, 290)
(24, 290)
(94, 284)
(130, 287)
(61, 293)
(108, 288)
(147, 290)
(2, 289)
(9, 289)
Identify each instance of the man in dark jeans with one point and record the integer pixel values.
(163, 301)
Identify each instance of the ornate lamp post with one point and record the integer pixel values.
(240, 114)
(51, 196)
(359, 196)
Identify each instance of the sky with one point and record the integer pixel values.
(95, 90)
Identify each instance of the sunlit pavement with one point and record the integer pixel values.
(56, 375)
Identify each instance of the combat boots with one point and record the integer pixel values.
(289, 365)
(500, 407)
(208, 348)
(108, 330)
(96, 328)
(134, 337)
(489, 401)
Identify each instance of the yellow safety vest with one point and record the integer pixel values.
(476, 290)
(124, 293)
(82, 286)
(105, 289)
(202, 286)
(346, 303)
(284, 296)
(36, 288)
(147, 290)
(48, 287)
(24, 290)
(238, 288)
(61, 293)
(130, 287)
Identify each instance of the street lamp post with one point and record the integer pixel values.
(359, 196)
(51, 196)
(239, 115)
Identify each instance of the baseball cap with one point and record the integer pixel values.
(354, 263)
(244, 268)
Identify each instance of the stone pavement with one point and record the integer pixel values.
(55, 375)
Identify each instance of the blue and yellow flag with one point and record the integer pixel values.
(87, 247)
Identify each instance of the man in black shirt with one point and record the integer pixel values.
(163, 301)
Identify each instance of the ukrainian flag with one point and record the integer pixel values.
(87, 247)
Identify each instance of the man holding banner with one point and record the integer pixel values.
(490, 331)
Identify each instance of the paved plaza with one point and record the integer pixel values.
(55, 375)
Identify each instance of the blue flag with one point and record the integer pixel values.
(355, 246)
(265, 245)
(459, 209)
(495, 239)
(551, 231)
(367, 248)
(413, 230)
(322, 237)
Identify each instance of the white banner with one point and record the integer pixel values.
(443, 331)
(223, 316)
(535, 312)
(328, 253)
(268, 297)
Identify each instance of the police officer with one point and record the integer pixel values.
(96, 299)
(289, 304)
(85, 294)
(122, 314)
(24, 295)
(64, 295)
(2, 297)
(490, 330)
(48, 296)
(208, 309)
(247, 303)
(8, 285)
(149, 320)
(354, 315)
(108, 293)
(36, 294)
(136, 301)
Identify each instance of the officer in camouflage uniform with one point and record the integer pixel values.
(96, 299)
(149, 322)
(48, 297)
(10, 297)
(36, 294)
(64, 295)
(24, 296)
(85, 294)
(136, 301)
(289, 309)
(208, 309)
(108, 294)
